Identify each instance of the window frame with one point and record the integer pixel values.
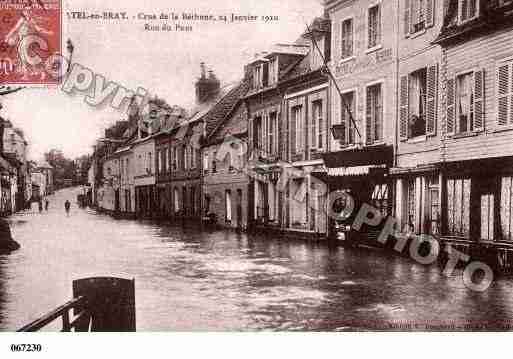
(380, 82)
(460, 8)
(471, 71)
(509, 114)
(410, 135)
(297, 123)
(379, 44)
(272, 132)
(353, 43)
(353, 90)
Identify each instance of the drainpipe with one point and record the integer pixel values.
(397, 92)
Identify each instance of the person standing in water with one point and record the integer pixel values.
(67, 206)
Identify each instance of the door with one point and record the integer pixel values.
(228, 205)
(116, 200)
(239, 208)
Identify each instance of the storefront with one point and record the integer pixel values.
(362, 173)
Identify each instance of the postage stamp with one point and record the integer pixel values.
(30, 41)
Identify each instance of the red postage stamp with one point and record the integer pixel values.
(30, 42)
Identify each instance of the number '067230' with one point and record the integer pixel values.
(26, 347)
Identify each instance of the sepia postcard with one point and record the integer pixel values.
(249, 166)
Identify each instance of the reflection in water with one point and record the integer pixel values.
(192, 280)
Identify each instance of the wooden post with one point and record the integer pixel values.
(110, 301)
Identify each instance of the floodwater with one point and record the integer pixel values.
(188, 280)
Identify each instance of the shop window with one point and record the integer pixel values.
(506, 215)
(434, 205)
(411, 204)
(380, 198)
(487, 216)
(458, 207)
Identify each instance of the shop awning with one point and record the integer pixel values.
(352, 171)
(382, 155)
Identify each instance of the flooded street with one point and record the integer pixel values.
(191, 281)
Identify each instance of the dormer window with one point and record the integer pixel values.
(273, 71)
(467, 10)
(257, 78)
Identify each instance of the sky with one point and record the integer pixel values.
(164, 63)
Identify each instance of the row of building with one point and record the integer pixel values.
(405, 104)
(21, 180)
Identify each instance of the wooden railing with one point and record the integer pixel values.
(100, 304)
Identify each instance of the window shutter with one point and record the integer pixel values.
(503, 94)
(313, 123)
(479, 92)
(450, 125)
(368, 123)
(404, 111)
(430, 13)
(344, 121)
(342, 41)
(349, 41)
(250, 134)
(431, 99)
(343, 126)
(293, 119)
(406, 17)
(265, 119)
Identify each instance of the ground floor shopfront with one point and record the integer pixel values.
(145, 201)
(289, 199)
(467, 204)
(355, 177)
(227, 203)
(182, 199)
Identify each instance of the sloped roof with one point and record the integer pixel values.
(218, 114)
(44, 164)
(302, 67)
(202, 109)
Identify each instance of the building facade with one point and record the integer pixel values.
(363, 100)
(306, 123)
(224, 153)
(267, 133)
(143, 151)
(477, 122)
(417, 164)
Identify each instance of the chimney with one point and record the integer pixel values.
(203, 70)
(206, 88)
